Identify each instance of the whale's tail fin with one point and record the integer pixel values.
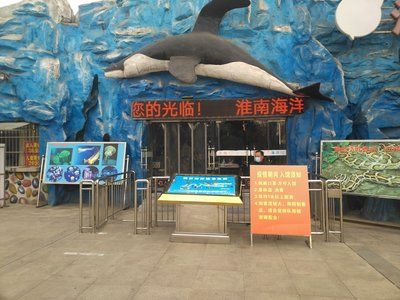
(211, 15)
(312, 91)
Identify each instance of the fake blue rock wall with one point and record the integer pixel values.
(51, 68)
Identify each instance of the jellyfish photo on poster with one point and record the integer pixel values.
(110, 154)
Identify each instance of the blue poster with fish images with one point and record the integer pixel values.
(72, 162)
(216, 185)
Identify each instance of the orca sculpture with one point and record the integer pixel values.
(203, 53)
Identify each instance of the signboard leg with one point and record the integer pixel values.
(309, 241)
(126, 181)
(41, 174)
(251, 239)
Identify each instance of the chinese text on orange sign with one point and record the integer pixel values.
(279, 200)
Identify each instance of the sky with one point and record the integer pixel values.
(74, 3)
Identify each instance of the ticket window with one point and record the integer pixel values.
(235, 140)
(268, 135)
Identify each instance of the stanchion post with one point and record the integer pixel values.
(326, 213)
(112, 197)
(95, 199)
(107, 193)
(149, 209)
(135, 209)
(146, 206)
(331, 209)
(324, 203)
(341, 216)
(155, 201)
(80, 207)
(150, 200)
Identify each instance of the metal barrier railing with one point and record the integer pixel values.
(2, 195)
(241, 214)
(316, 189)
(144, 192)
(89, 186)
(334, 194)
(106, 196)
(109, 195)
(162, 212)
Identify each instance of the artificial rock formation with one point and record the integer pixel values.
(51, 59)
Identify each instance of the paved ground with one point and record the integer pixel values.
(42, 256)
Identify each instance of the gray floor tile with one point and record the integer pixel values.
(106, 292)
(264, 263)
(269, 282)
(308, 267)
(250, 295)
(59, 287)
(173, 276)
(222, 262)
(372, 289)
(164, 293)
(320, 286)
(203, 294)
(219, 280)
(33, 263)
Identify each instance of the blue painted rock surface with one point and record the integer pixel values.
(52, 59)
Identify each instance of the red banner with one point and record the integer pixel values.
(209, 109)
(31, 153)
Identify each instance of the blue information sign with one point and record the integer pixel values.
(72, 162)
(211, 185)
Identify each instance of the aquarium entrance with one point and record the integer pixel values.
(213, 147)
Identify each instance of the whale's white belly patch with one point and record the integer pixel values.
(239, 72)
(140, 64)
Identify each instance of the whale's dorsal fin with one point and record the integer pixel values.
(183, 68)
(211, 15)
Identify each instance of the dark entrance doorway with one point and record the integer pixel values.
(215, 147)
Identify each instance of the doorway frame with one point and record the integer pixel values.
(193, 124)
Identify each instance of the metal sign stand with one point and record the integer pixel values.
(308, 242)
(41, 174)
(126, 181)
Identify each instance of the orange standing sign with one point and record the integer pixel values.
(279, 200)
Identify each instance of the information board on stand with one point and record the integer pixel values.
(210, 185)
(364, 167)
(72, 162)
(279, 198)
(202, 189)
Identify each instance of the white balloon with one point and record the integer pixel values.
(357, 18)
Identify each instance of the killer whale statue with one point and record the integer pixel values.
(203, 53)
